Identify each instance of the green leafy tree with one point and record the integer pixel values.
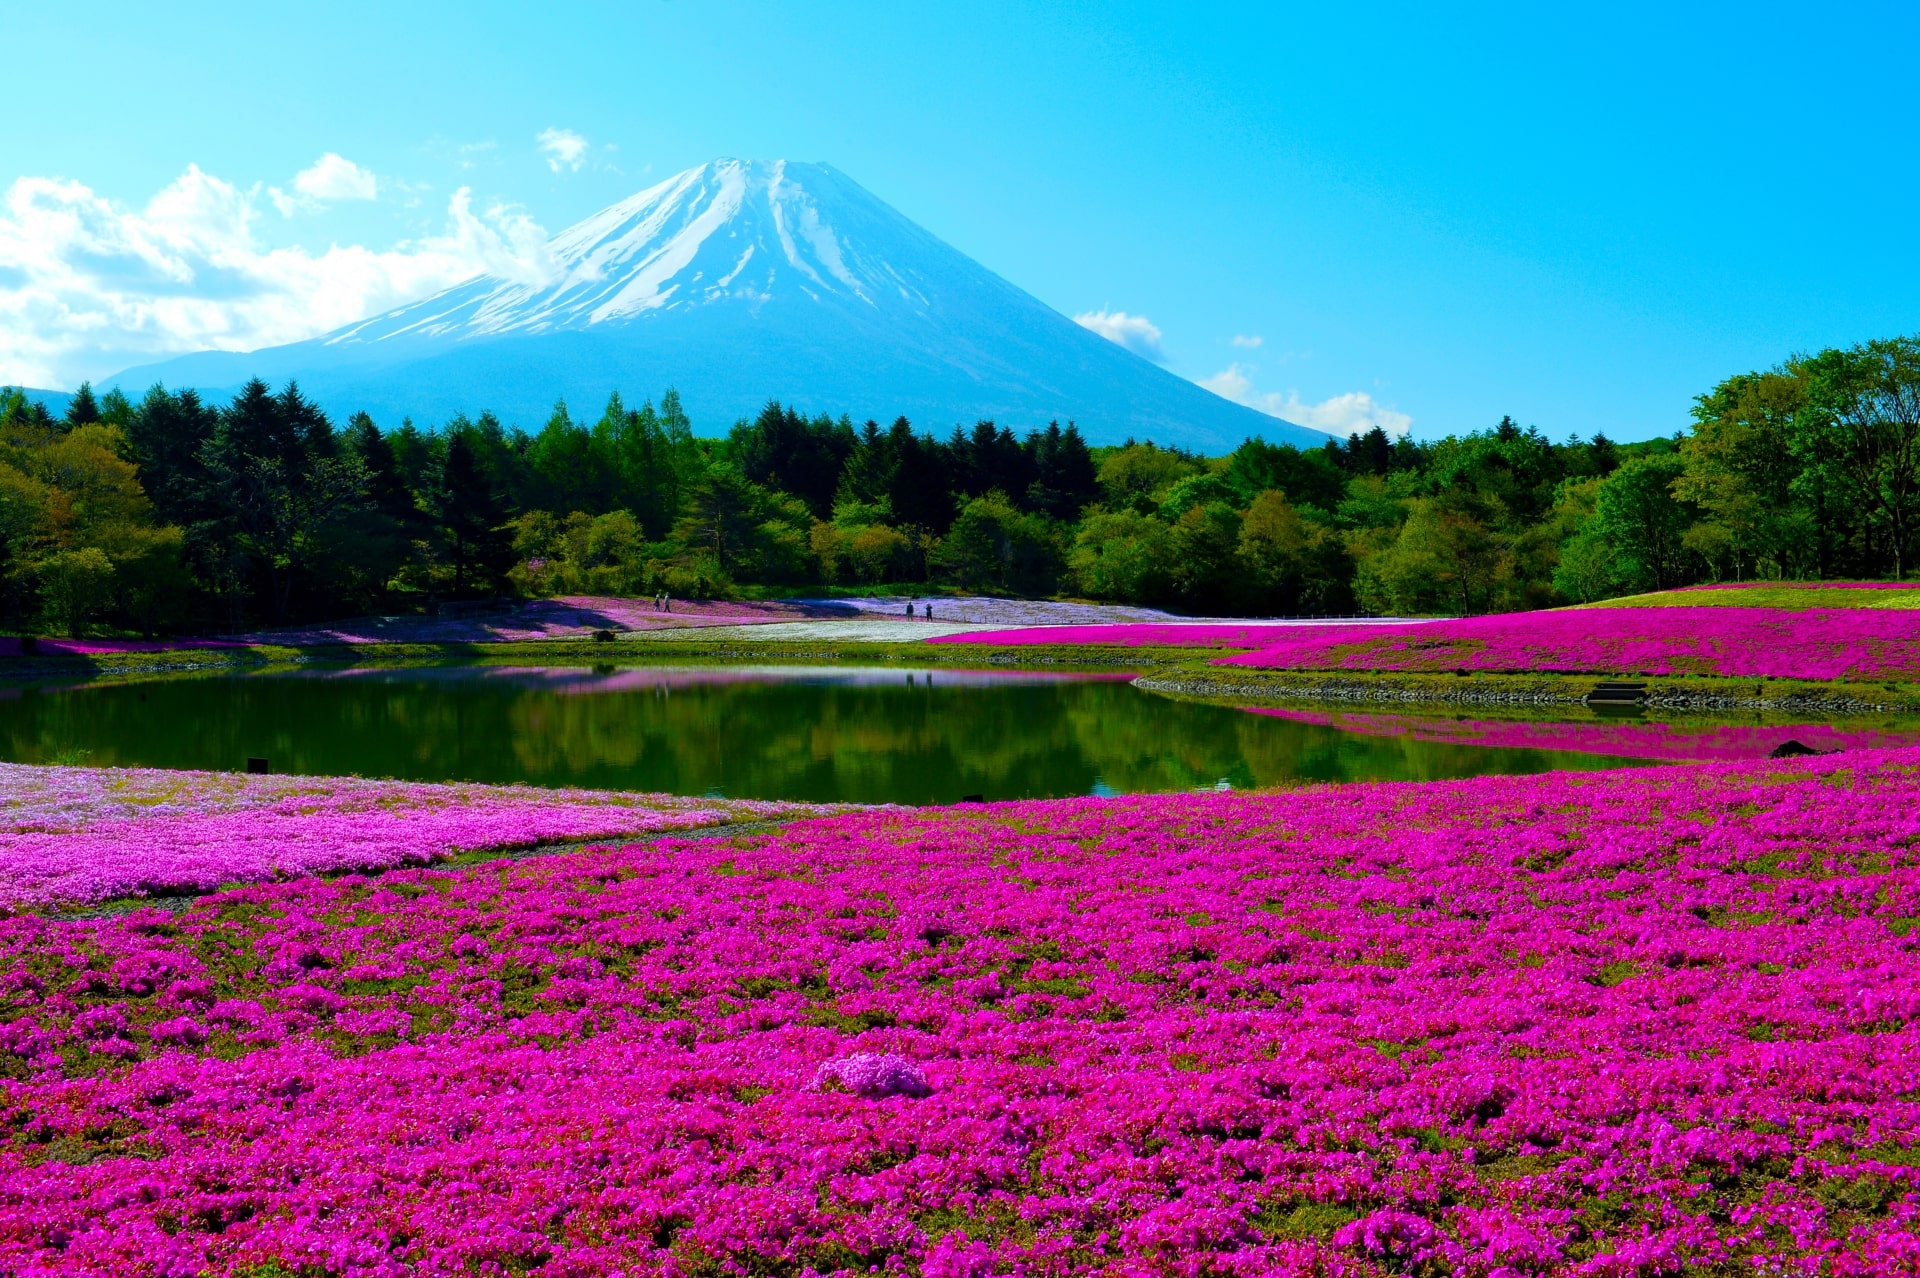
(1741, 470)
(1641, 518)
(1406, 575)
(1275, 552)
(1121, 555)
(75, 584)
(1137, 476)
(1206, 572)
(1863, 406)
(994, 546)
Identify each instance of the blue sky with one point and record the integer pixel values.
(1581, 219)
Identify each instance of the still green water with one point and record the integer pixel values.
(857, 735)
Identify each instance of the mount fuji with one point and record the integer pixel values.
(740, 282)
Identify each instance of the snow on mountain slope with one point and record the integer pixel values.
(739, 282)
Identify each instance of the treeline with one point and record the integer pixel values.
(173, 514)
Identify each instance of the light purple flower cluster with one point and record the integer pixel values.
(872, 1076)
(1677, 742)
(71, 836)
(1740, 643)
(1659, 1022)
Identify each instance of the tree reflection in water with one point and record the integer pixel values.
(836, 733)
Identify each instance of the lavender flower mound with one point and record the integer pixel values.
(1653, 1023)
(75, 836)
(871, 1076)
(1758, 643)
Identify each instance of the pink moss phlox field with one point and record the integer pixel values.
(1735, 642)
(73, 836)
(1674, 742)
(1170, 635)
(1653, 1023)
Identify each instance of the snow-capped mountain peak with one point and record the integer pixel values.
(738, 282)
(728, 231)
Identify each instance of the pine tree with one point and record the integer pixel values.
(471, 513)
(83, 409)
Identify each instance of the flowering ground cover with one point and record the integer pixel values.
(1657, 1023)
(1676, 742)
(76, 836)
(1182, 634)
(1824, 644)
(1778, 594)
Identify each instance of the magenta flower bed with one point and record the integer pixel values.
(1657, 1023)
(1674, 742)
(1736, 642)
(74, 836)
(1172, 635)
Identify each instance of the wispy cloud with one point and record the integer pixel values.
(563, 148)
(1135, 332)
(1248, 343)
(1355, 412)
(88, 286)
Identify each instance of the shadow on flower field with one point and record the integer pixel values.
(1657, 1021)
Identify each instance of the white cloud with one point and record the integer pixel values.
(1135, 332)
(1355, 412)
(563, 148)
(1248, 343)
(334, 177)
(88, 286)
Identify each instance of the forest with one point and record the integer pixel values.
(172, 514)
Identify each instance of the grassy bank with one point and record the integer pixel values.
(1244, 686)
(627, 650)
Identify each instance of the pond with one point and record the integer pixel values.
(834, 733)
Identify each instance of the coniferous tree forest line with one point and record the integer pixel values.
(172, 514)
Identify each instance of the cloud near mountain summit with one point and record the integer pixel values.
(88, 285)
